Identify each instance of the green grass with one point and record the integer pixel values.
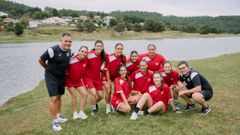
(28, 113)
(52, 33)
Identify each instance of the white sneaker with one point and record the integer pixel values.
(82, 115)
(134, 116)
(56, 127)
(61, 119)
(108, 108)
(75, 115)
(140, 112)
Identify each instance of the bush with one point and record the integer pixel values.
(137, 27)
(18, 29)
(113, 22)
(80, 27)
(119, 27)
(153, 25)
(90, 27)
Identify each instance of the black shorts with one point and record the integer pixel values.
(55, 86)
(207, 95)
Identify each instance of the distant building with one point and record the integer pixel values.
(3, 14)
(83, 18)
(54, 20)
(97, 18)
(9, 20)
(67, 18)
(34, 23)
(107, 19)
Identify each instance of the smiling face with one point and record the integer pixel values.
(82, 52)
(98, 48)
(183, 69)
(157, 79)
(66, 42)
(143, 66)
(134, 57)
(123, 72)
(118, 49)
(151, 50)
(167, 67)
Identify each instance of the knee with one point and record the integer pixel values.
(53, 99)
(100, 96)
(197, 96)
(84, 94)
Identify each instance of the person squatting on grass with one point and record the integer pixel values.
(122, 90)
(75, 76)
(194, 86)
(170, 77)
(55, 61)
(156, 98)
(141, 79)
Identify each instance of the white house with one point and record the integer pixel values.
(107, 19)
(67, 18)
(3, 14)
(54, 20)
(34, 23)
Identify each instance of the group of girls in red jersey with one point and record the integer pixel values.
(141, 79)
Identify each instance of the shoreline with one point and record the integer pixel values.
(53, 35)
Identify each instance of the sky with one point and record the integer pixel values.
(165, 7)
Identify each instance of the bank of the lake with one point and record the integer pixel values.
(52, 33)
(28, 113)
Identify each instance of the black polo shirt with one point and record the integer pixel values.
(195, 79)
(58, 61)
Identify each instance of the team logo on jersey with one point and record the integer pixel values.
(138, 75)
(149, 79)
(157, 63)
(84, 65)
(91, 56)
(129, 64)
(163, 74)
(152, 88)
(162, 92)
(121, 81)
(146, 58)
(112, 58)
(59, 54)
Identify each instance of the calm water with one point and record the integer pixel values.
(20, 71)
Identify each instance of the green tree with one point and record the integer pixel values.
(55, 12)
(137, 27)
(18, 29)
(90, 27)
(80, 26)
(113, 22)
(128, 26)
(154, 26)
(119, 27)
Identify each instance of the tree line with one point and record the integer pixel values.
(129, 20)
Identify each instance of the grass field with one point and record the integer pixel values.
(28, 113)
(52, 33)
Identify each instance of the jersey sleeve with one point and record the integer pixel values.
(48, 54)
(117, 86)
(175, 78)
(168, 92)
(195, 79)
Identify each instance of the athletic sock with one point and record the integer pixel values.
(136, 109)
(146, 112)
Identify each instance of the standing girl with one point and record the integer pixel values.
(74, 81)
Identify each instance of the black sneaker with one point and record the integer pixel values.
(205, 110)
(94, 110)
(190, 107)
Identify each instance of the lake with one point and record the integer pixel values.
(20, 71)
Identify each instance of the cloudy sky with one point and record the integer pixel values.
(166, 7)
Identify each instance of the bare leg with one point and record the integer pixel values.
(198, 98)
(124, 108)
(73, 94)
(100, 96)
(145, 99)
(84, 95)
(53, 107)
(159, 106)
(59, 103)
(133, 100)
(107, 87)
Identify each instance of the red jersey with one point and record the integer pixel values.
(171, 78)
(76, 69)
(132, 66)
(159, 94)
(141, 81)
(114, 64)
(120, 85)
(94, 66)
(154, 64)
